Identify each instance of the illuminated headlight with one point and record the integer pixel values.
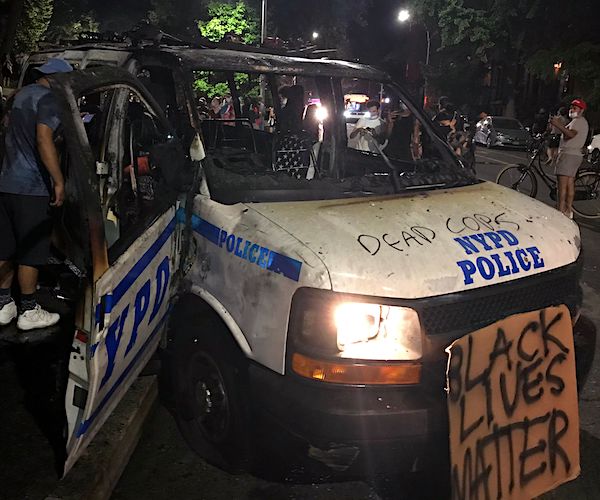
(347, 113)
(348, 339)
(337, 326)
(374, 331)
(321, 113)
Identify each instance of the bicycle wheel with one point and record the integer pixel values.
(587, 195)
(519, 178)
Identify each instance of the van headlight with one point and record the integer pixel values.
(351, 339)
(377, 331)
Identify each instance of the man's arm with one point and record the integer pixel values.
(49, 156)
(566, 132)
(360, 125)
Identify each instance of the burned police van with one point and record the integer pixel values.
(300, 274)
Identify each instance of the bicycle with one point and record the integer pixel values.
(523, 178)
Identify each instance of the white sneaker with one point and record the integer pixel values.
(8, 312)
(37, 318)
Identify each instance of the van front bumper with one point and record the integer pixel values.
(349, 428)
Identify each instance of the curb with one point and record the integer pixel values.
(98, 470)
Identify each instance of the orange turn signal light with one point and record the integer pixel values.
(351, 373)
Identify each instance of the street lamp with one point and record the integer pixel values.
(403, 16)
(315, 35)
(263, 22)
(263, 37)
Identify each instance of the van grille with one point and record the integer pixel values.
(469, 311)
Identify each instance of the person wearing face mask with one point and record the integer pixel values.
(570, 153)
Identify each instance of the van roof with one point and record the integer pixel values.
(220, 59)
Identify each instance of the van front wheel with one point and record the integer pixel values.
(211, 406)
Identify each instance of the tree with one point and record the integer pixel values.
(32, 26)
(230, 19)
(70, 20)
(505, 33)
(224, 19)
(581, 61)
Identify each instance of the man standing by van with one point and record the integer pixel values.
(570, 153)
(30, 182)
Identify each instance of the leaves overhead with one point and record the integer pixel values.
(227, 19)
(34, 21)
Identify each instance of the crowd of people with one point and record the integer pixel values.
(253, 109)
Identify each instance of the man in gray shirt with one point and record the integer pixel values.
(30, 182)
(570, 153)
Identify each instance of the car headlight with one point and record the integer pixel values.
(345, 339)
(347, 113)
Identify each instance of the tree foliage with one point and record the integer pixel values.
(582, 61)
(511, 33)
(32, 26)
(230, 19)
(70, 20)
(225, 19)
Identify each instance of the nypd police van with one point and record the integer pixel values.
(291, 283)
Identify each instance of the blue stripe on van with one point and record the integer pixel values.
(84, 427)
(275, 262)
(111, 300)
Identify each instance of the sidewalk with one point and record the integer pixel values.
(32, 425)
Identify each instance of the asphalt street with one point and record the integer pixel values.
(164, 467)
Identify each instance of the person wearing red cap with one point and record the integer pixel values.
(570, 153)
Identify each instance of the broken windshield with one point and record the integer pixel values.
(294, 137)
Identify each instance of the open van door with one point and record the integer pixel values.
(118, 140)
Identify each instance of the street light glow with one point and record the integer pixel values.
(315, 35)
(403, 15)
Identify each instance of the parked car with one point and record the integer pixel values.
(317, 307)
(594, 146)
(501, 131)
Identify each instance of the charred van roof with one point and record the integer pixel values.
(219, 59)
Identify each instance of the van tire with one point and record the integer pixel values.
(210, 380)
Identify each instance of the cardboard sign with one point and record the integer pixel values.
(512, 404)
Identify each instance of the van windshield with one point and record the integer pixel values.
(309, 138)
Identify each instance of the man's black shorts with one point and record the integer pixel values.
(25, 229)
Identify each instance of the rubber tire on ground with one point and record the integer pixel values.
(579, 182)
(210, 342)
(505, 174)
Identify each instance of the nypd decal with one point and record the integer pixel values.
(495, 253)
(262, 256)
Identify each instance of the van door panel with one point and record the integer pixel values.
(123, 311)
(132, 300)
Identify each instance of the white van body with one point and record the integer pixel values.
(469, 254)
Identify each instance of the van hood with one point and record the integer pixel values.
(432, 243)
